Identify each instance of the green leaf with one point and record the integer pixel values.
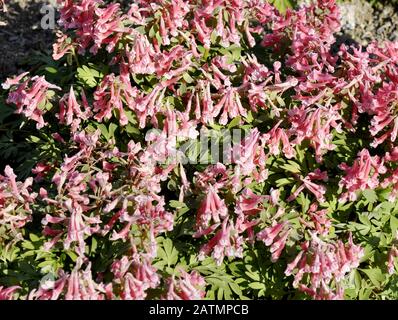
(375, 275)
(88, 76)
(284, 181)
(112, 129)
(393, 224)
(104, 130)
(28, 245)
(292, 167)
(94, 245)
(235, 122)
(177, 204)
(33, 237)
(283, 5)
(257, 285)
(235, 288)
(187, 78)
(370, 195)
(170, 251)
(252, 275)
(51, 70)
(249, 117)
(72, 255)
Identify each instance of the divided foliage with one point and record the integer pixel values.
(109, 193)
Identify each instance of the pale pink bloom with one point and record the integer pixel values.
(276, 137)
(141, 56)
(315, 127)
(149, 105)
(247, 208)
(324, 263)
(3, 5)
(57, 137)
(362, 175)
(226, 242)
(203, 32)
(134, 276)
(62, 46)
(108, 28)
(250, 39)
(254, 71)
(230, 104)
(391, 257)
(249, 203)
(79, 226)
(317, 190)
(275, 237)
(262, 11)
(187, 286)
(278, 245)
(212, 209)
(320, 220)
(109, 96)
(70, 112)
(245, 154)
(249, 158)
(16, 199)
(8, 293)
(13, 81)
(81, 286)
(50, 290)
(40, 170)
(94, 26)
(30, 97)
(204, 105)
(216, 175)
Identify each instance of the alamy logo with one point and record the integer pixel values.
(48, 20)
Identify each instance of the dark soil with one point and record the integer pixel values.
(363, 23)
(21, 35)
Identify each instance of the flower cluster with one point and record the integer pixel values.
(281, 103)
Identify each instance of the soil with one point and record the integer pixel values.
(21, 34)
(363, 23)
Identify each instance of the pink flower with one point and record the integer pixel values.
(276, 137)
(275, 236)
(109, 96)
(141, 56)
(315, 127)
(80, 285)
(50, 289)
(30, 97)
(226, 242)
(16, 199)
(231, 105)
(324, 263)
(249, 159)
(133, 277)
(7, 293)
(317, 190)
(188, 286)
(62, 46)
(41, 170)
(319, 217)
(70, 112)
(212, 209)
(95, 26)
(362, 175)
(391, 257)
